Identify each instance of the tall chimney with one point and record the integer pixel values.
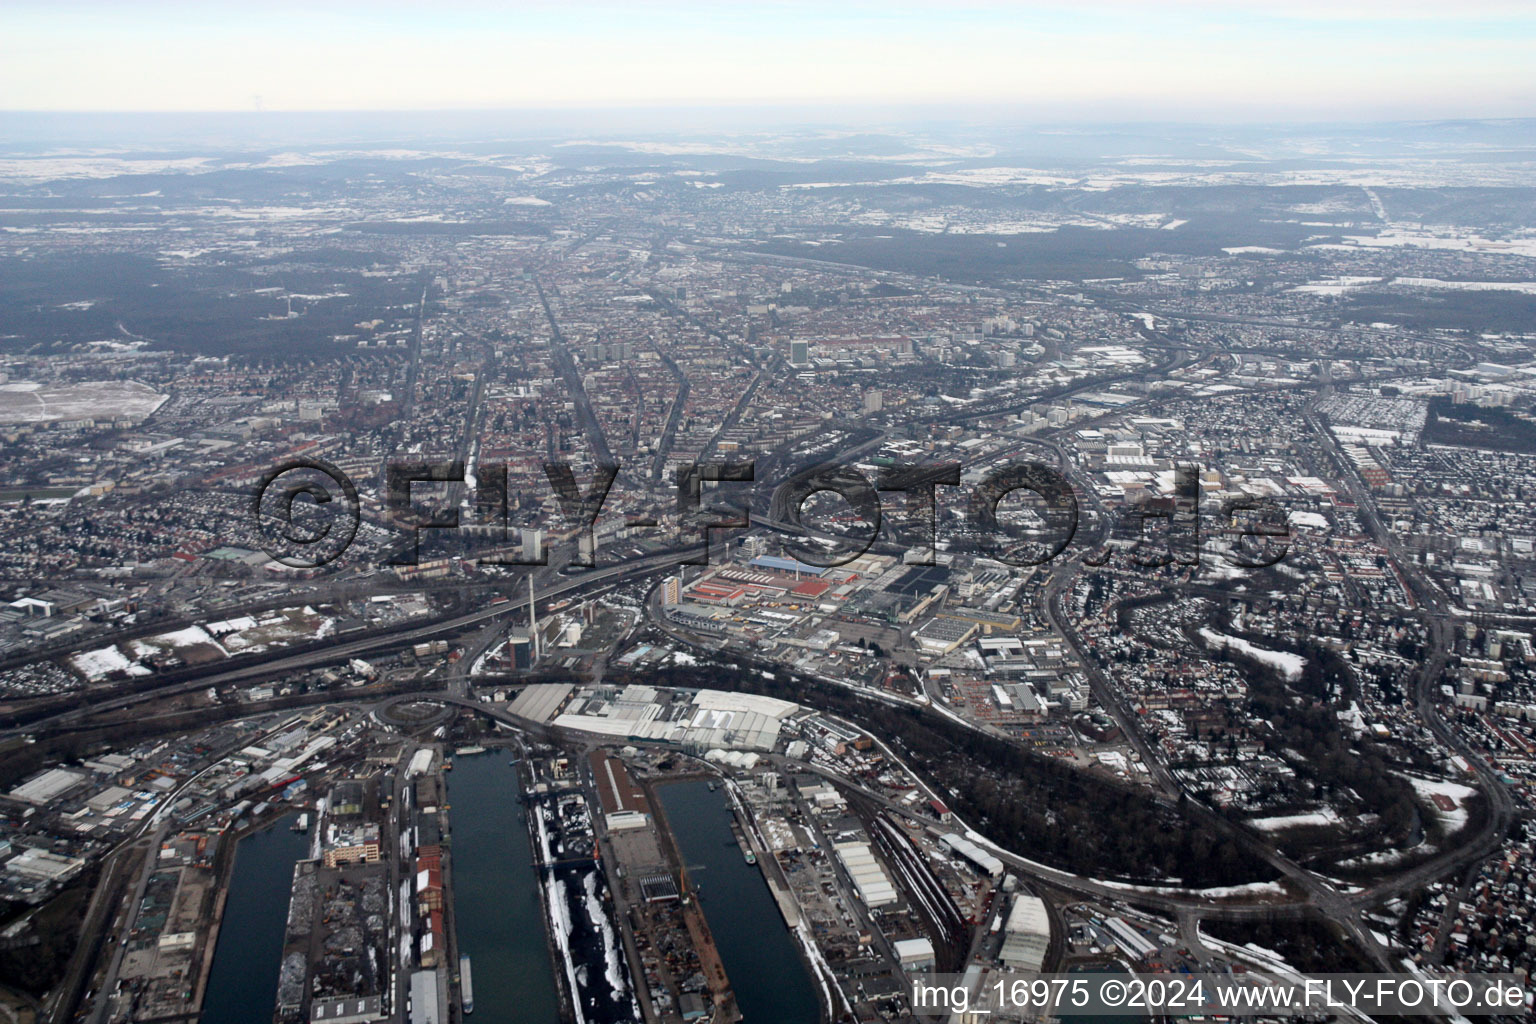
(533, 618)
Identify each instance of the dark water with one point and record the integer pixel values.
(242, 987)
(496, 905)
(1122, 1018)
(772, 984)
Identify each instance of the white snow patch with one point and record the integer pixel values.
(189, 637)
(98, 664)
(1321, 816)
(1287, 664)
(1453, 819)
(613, 965)
(1247, 889)
(560, 928)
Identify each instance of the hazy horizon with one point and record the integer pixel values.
(1187, 60)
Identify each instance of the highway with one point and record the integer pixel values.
(267, 667)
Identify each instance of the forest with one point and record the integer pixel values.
(1031, 804)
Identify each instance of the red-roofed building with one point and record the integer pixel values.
(712, 593)
(429, 888)
(434, 942)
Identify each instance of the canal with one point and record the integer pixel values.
(771, 982)
(497, 913)
(242, 986)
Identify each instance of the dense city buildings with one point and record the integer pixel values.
(429, 568)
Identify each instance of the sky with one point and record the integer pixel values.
(1106, 59)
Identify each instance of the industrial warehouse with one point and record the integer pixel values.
(694, 720)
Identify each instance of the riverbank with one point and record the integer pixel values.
(833, 1004)
(771, 971)
(247, 958)
(721, 994)
(500, 920)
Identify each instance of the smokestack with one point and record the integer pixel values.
(533, 618)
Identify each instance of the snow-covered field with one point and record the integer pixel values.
(1453, 241)
(30, 402)
(189, 637)
(234, 625)
(1287, 664)
(1527, 287)
(244, 634)
(1453, 818)
(1321, 816)
(96, 665)
(1336, 285)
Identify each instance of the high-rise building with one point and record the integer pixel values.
(874, 400)
(520, 644)
(671, 590)
(533, 545)
(799, 353)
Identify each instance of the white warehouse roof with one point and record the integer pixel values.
(729, 721)
(47, 787)
(539, 700)
(868, 877)
(721, 700)
(1027, 934)
(973, 853)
